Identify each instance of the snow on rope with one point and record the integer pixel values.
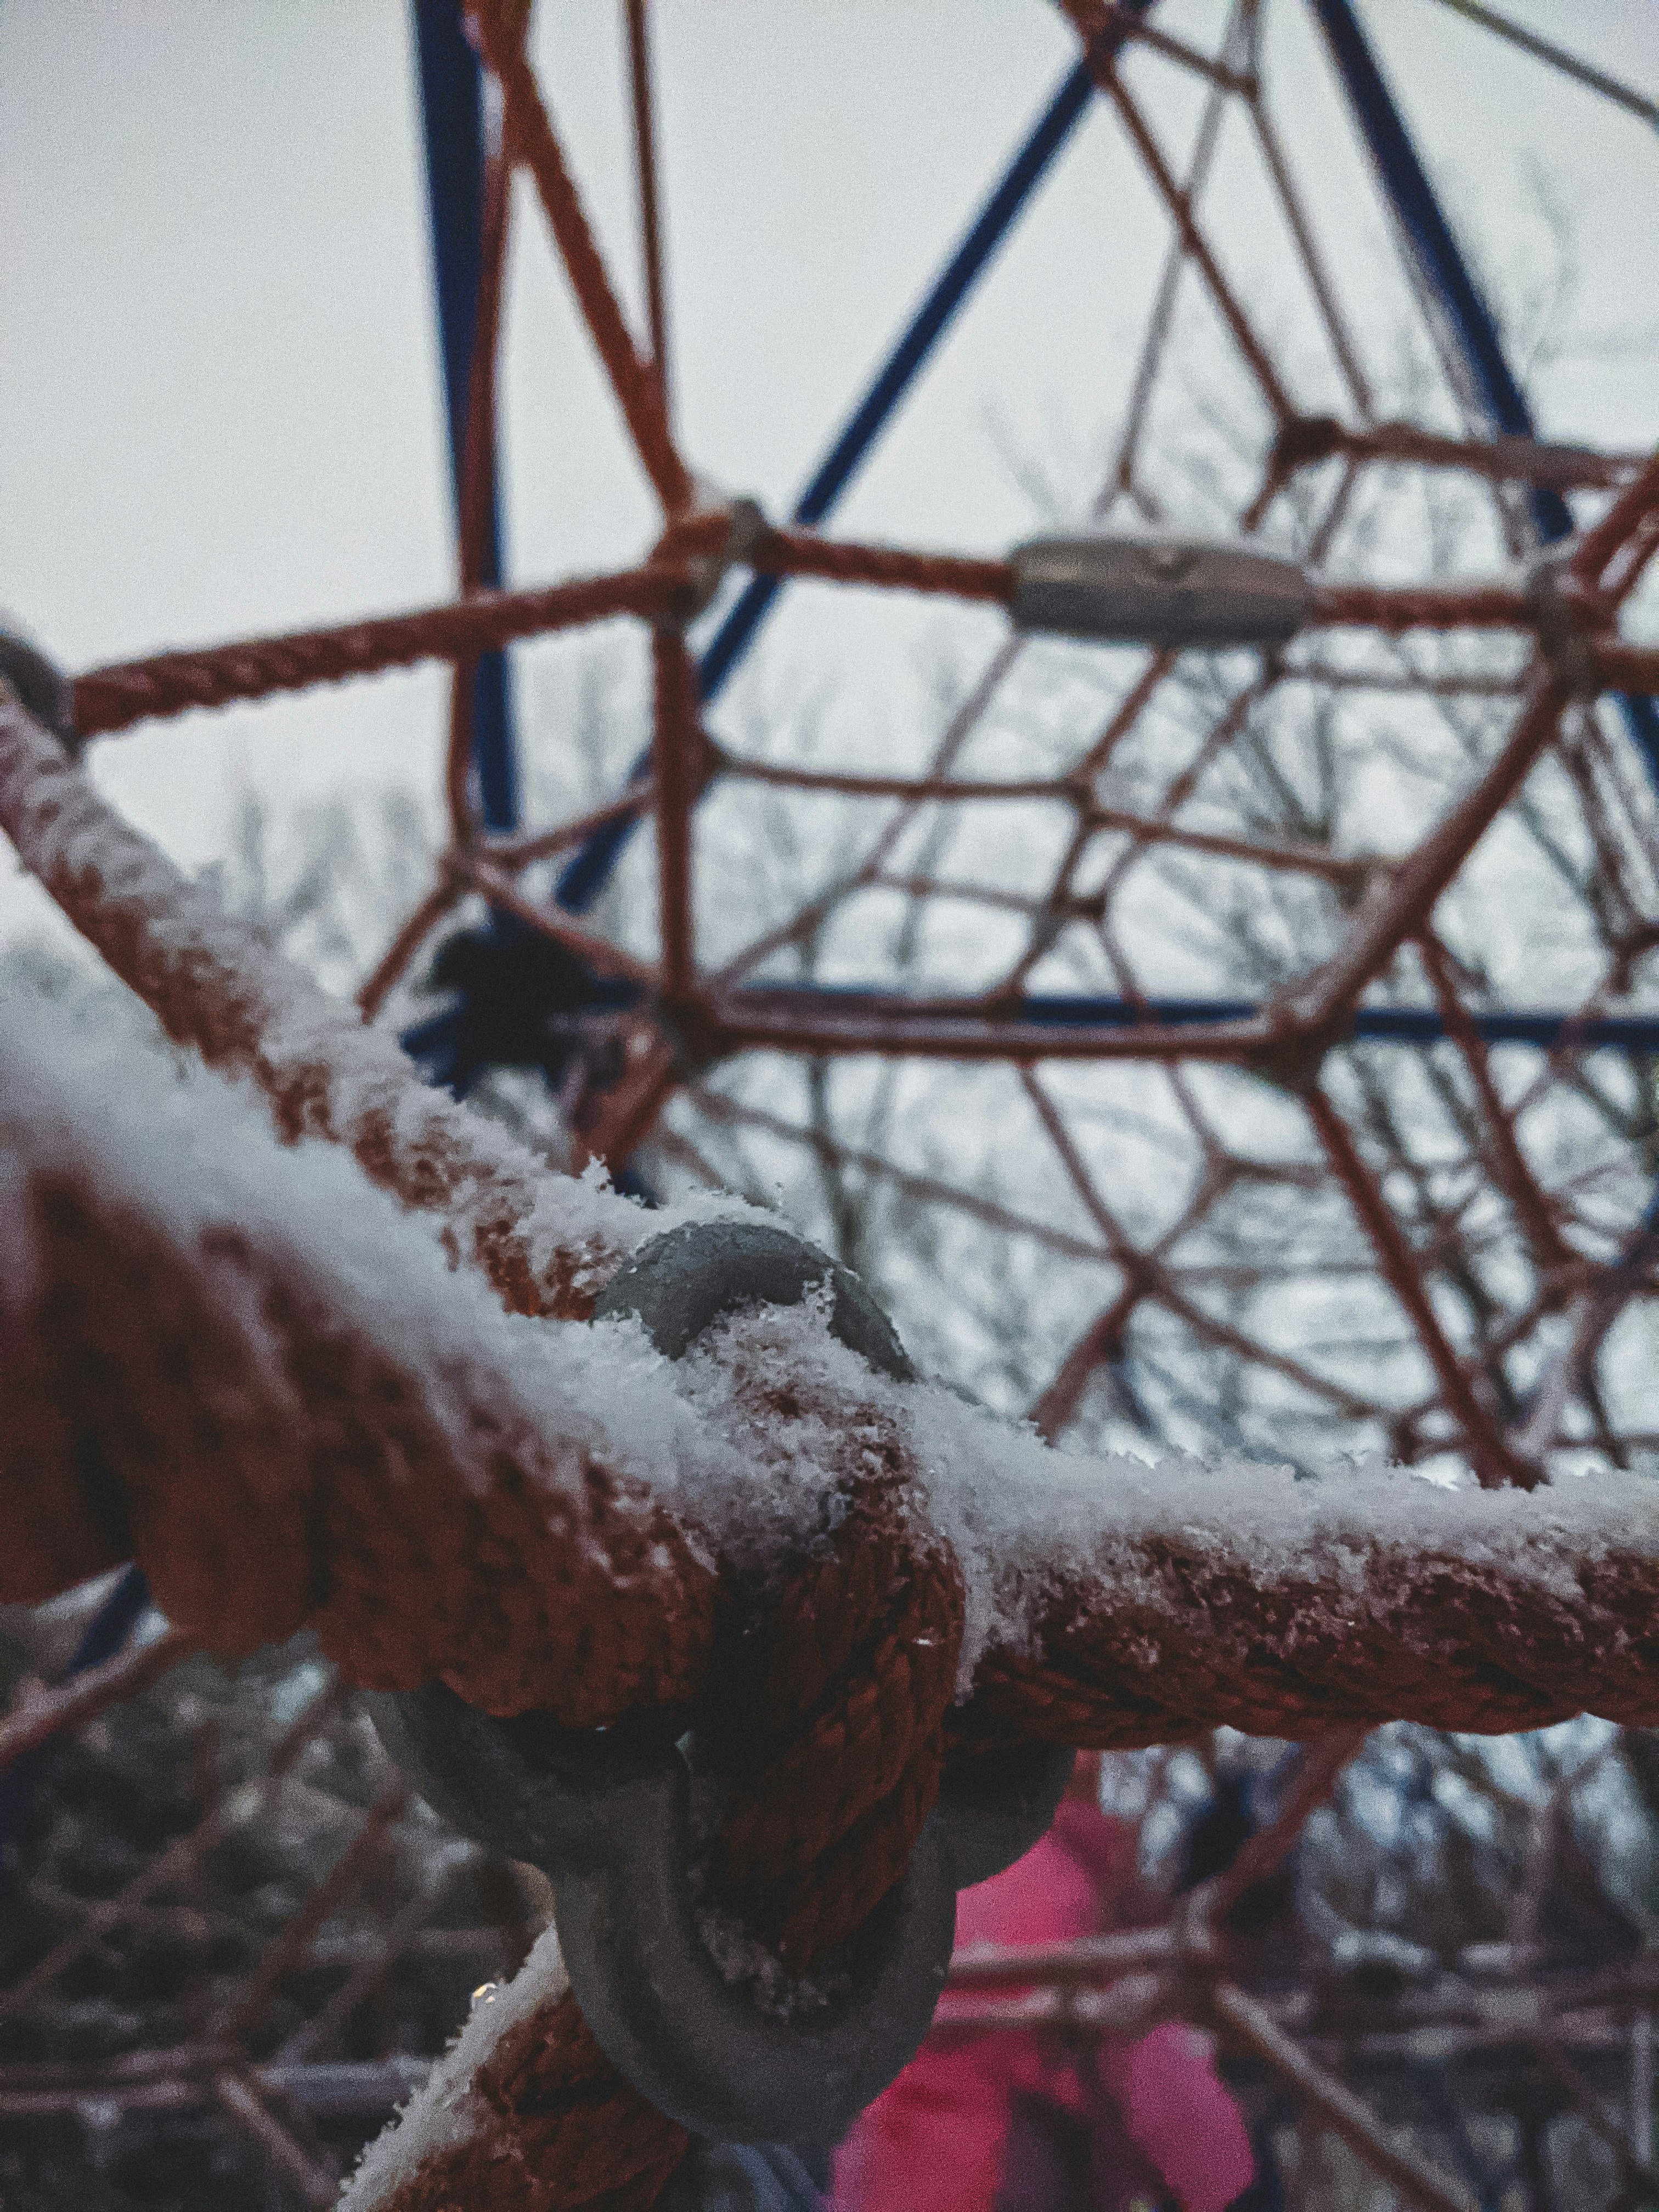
(305, 1341)
(322, 1353)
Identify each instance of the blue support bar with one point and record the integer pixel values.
(114, 1622)
(587, 874)
(1433, 247)
(452, 98)
(1549, 1029)
(451, 113)
(1452, 285)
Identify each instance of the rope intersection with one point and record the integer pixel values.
(251, 1429)
(256, 1437)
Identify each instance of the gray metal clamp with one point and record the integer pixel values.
(1158, 591)
(607, 1814)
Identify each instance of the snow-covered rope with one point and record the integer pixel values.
(546, 1244)
(1108, 1600)
(312, 1400)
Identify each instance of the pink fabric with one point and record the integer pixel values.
(1181, 2115)
(934, 2142)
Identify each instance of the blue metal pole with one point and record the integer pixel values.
(893, 379)
(1452, 285)
(1549, 1028)
(588, 873)
(451, 113)
(114, 1622)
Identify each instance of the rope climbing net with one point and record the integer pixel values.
(569, 1540)
(1475, 1220)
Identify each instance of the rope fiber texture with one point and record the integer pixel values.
(668, 587)
(114, 698)
(208, 1399)
(256, 1445)
(274, 1463)
(532, 140)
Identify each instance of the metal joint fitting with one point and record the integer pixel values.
(680, 1285)
(1564, 612)
(993, 1806)
(1158, 591)
(607, 1816)
(41, 686)
(700, 2048)
(746, 525)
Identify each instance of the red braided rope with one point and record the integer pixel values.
(801, 553)
(1393, 608)
(534, 141)
(1307, 1624)
(113, 698)
(1628, 667)
(345, 1504)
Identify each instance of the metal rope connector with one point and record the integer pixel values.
(994, 1806)
(680, 1285)
(1567, 614)
(608, 1817)
(42, 686)
(711, 543)
(1158, 591)
(699, 2046)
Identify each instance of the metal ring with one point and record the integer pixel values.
(607, 1815)
(994, 1806)
(683, 1282)
(697, 2046)
(523, 1787)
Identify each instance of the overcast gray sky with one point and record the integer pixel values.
(218, 388)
